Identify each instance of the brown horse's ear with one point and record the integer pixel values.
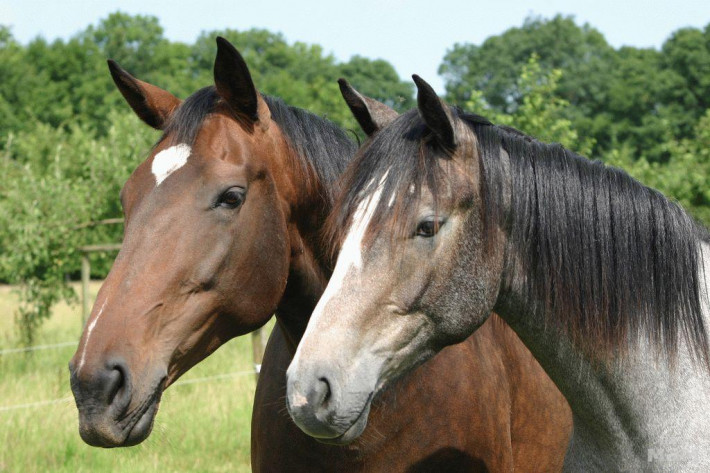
(369, 113)
(152, 104)
(435, 113)
(235, 85)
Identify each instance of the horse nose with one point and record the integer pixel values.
(104, 389)
(312, 403)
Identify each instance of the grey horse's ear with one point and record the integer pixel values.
(435, 113)
(369, 113)
(234, 83)
(152, 104)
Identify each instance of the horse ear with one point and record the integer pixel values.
(152, 104)
(234, 83)
(435, 113)
(369, 113)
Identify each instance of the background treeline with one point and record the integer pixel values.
(68, 141)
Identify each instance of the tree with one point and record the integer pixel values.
(541, 113)
(134, 41)
(631, 97)
(687, 53)
(494, 66)
(684, 176)
(56, 179)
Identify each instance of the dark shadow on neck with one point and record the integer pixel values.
(450, 460)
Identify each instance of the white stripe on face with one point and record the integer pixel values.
(89, 329)
(169, 160)
(350, 256)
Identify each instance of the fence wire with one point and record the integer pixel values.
(49, 402)
(7, 351)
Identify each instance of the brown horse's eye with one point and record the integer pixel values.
(429, 227)
(231, 198)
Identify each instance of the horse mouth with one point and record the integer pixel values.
(139, 423)
(356, 428)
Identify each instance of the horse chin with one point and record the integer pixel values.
(354, 431)
(143, 427)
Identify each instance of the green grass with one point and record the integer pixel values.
(203, 426)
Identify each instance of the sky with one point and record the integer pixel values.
(413, 35)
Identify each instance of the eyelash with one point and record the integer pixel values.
(231, 198)
(429, 227)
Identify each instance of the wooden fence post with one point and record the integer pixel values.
(86, 301)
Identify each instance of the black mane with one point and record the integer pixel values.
(317, 142)
(609, 259)
(325, 146)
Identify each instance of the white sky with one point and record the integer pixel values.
(413, 35)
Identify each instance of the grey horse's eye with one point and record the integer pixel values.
(429, 227)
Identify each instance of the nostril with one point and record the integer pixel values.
(118, 385)
(324, 390)
(321, 394)
(313, 401)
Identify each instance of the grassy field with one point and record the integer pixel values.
(201, 426)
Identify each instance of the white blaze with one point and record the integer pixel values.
(169, 160)
(350, 257)
(89, 329)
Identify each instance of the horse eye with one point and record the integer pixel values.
(231, 198)
(429, 227)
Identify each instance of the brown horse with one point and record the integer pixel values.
(222, 230)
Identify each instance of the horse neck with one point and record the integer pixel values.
(310, 264)
(308, 276)
(638, 413)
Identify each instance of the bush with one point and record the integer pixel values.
(56, 180)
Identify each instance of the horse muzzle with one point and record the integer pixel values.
(318, 406)
(112, 413)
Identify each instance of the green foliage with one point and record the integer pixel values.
(638, 98)
(36, 246)
(684, 176)
(136, 42)
(57, 178)
(495, 66)
(687, 52)
(541, 113)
